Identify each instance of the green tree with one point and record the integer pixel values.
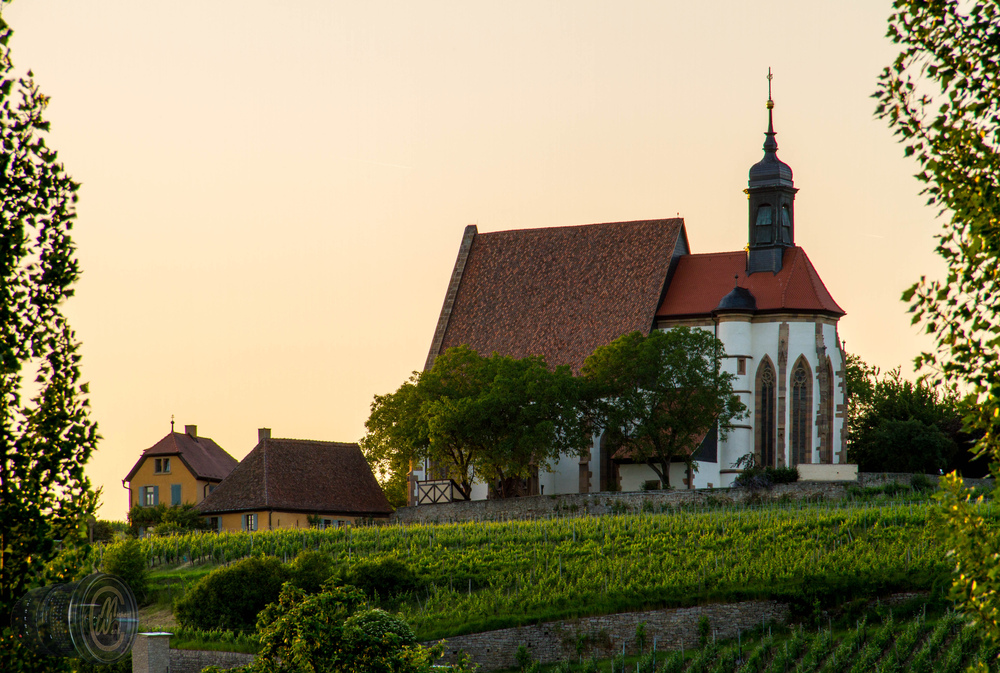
(895, 425)
(658, 395)
(163, 520)
(127, 560)
(940, 96)
(45, 499)
(498, 418)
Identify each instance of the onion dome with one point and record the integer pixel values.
(739, 299)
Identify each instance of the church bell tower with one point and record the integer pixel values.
(771, 193)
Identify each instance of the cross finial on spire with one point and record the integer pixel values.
(770, 103)
(171, 422)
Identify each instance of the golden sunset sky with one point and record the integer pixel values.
(274, 192)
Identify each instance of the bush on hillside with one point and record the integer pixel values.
(103, 531)
(127, 560)
(230, 597)
(385, 578)
(163, 520)
(310, 570)
(757, 478)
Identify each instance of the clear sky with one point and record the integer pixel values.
(274, 192)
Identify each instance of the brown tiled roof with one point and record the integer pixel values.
(205, 459)
(561, 292)
(701, 281)
(298, 475)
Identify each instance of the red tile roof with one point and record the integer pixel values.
(561, 292)
(298, 475)
(701, 281)
(205, 459)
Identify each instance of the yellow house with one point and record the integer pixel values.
(283, 483)
(180, 468)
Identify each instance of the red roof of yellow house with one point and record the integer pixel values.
(203, 458)
(701, 281)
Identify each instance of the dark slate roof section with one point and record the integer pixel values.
(205, 459)
(561, 292)
(701, 281)
(299, 475)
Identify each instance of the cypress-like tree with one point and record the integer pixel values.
(45, 433)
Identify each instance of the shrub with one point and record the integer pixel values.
(386, 578)
(704, 629)
(782, 475)
(921, 482)
(231, 597)
(103, 531)
(373, 638)
(310, 570)
(127, 560)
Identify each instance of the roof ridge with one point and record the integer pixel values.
(791, 272)
(813, 276)
(310, 441)
(583, 226)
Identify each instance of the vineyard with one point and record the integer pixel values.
(917, 645)
(482, 576)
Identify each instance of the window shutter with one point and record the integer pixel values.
(175, 494)
(243, 521)
(156, 495)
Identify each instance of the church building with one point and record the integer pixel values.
(561, 292)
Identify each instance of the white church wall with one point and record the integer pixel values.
(634, 476)
(564, 477)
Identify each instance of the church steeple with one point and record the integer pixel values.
(771, 193)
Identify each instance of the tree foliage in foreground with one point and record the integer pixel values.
(659, 394)
(496, 419)
(941, 96)
(334, 632)
(45, 439)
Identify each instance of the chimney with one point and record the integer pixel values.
(263, 433)
(191, 430)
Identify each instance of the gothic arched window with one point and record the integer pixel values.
(801, 412)
(764, 413)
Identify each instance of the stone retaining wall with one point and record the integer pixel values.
(605, 635)
(192, 661)
(548, 506)
(883, 478)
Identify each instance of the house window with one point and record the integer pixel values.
(215, 523)
(150, 496)
(764, 403)
(741, 366)
(175, 494)
(801, 412)
(162, 466)
(209, 488)
(250, 522)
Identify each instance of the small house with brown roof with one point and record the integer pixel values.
(180, 468)
(296, 483)
(562, 292)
